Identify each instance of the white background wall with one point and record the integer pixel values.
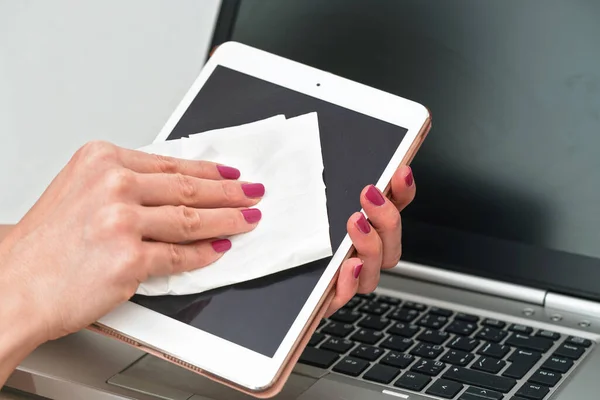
(73, 71)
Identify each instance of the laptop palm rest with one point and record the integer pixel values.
(164, 380)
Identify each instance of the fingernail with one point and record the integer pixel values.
(228, 172)
(375, 196)
(221, 245)
(363, 225)
(409, 178)
(357, 270)
(252, 215)
(253, 189)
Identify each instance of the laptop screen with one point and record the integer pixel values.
(508, 181)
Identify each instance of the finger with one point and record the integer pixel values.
(347, 284)
(147, 163)
(368, 248)
(168, 258)
(177, 224)
(385, 218)
(179, 189)
(403, 187)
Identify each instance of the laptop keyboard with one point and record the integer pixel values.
(440, 352)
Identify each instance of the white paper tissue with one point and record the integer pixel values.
(285, 156)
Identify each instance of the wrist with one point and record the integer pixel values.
(21, 331)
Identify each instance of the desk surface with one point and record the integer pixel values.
(71, 72)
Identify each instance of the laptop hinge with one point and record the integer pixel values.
(574, 305)
(470, 282)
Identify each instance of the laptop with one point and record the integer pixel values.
(497, 295)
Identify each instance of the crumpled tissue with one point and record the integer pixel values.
(285, 156)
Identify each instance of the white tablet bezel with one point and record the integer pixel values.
(208, 352)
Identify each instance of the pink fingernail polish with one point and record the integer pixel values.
(375, 196)
(228, 172)
(221, 245)
(252, 215)
(408, 179)
(253, 190)
(363, 225)
(357, 270)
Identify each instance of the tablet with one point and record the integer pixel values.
(247, 334)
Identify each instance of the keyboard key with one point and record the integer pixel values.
(375, 323)
(337, 345)
(461, 328)
(494, 350)
(404, 330)
(463, 343)
(491, 334)
(494, 323)
(367, 296)
(548, 335)
(381, 374)
(397, 343)
(546, 378)
(428, 367)
(337, 329)
(412, 381)
(318, 357)
(529, 342)
(440, 311)
(389, 300)
(577, 341)
(467, 317)
(444, 389)
(367, 336)
(351, 366)
(481, 379)
(558, 364)
(433, 321)
(488, 364)
(427, 350)
(368, 353)
(435, 337)
(315, 339)
(457, 357)
(375, 308)
(484, 394)
(521, 362)
(570, 351)
(404, 315)
(355, 301)
(533, 391)
(398, 360)
(346, 316)
(527, 330)
(415, 306)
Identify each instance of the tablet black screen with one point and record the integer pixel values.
(356, 149)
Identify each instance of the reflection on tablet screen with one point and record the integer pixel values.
(356, 149)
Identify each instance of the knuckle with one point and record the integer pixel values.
(231, 192)
(116, 219)
(192, 222)
(167, 165)
(97, 151)
(186, 187)
(176, 258)
(118, 181)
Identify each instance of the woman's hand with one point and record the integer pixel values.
(379, 243)
(110, 220)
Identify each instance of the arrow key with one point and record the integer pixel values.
(484, 394)
(444, 389)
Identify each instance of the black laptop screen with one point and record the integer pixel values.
(509, 178)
